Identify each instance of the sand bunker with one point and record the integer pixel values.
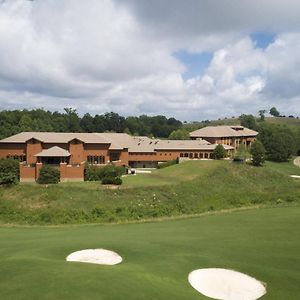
(95, 256)
(226, 284)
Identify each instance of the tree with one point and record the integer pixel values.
(248, 121)
(258, 152)
(72, 120)
(274, 112)
(219, 152)
(262, 114)
(179, 134)
(281, 147)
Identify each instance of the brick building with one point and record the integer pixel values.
(70, 151)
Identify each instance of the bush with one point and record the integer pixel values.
(167, 164)
(48, 174)
(112, 180)
(9, 171)
(219, 152)
(94, 173)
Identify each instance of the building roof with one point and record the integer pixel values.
(55, 137)
(223, 131)
(116, 141)
(54, 152)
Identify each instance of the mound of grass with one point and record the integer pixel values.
(188, 188)
(157, 257)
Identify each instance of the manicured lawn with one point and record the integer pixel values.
(157, 256)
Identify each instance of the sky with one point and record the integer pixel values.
(192, 59)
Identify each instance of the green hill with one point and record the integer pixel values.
(192, 187)
(293, 122)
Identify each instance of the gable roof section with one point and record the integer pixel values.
(223, 131)
(54, 152)
(56, 137)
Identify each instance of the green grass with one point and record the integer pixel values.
(192, 187)
(157, 256)
(287, 168)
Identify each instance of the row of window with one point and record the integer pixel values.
(96, 159)
(20, 158)
(196, 155)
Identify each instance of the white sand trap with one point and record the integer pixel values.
(225, 284)
(95, 256)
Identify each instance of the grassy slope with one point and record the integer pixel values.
(157, 257)
(189, 188)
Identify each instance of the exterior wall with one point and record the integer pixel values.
(32, 147)
(143, 164)
(77, 152)
(142, 156)
(27, 173)
(124, 157)
(12, 149)
(231, 141)
(96, 150)
(71, 173)
(60, 145)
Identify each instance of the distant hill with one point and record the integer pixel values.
(294, 122)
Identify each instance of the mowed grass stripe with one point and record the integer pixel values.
(157, 257)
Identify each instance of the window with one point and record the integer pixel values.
(196, 155)
(186, 155)
(20, 158)
(95, 159)
(181, 154)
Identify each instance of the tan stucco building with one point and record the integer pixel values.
(234, 136)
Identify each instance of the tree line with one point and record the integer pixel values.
(15, 121)
(280, 141)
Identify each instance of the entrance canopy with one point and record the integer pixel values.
(54, 152)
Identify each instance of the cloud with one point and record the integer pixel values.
(114, 55)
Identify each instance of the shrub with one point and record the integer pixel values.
(48, 174)
(94, 173)
(112, 171)
(258, 153)
(9, 171)
(219, 152)
(167, 164)
(112, 180)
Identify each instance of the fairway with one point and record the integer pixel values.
(158, 257)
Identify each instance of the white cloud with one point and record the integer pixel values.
(107, 55)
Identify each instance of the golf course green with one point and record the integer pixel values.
(158, 256)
